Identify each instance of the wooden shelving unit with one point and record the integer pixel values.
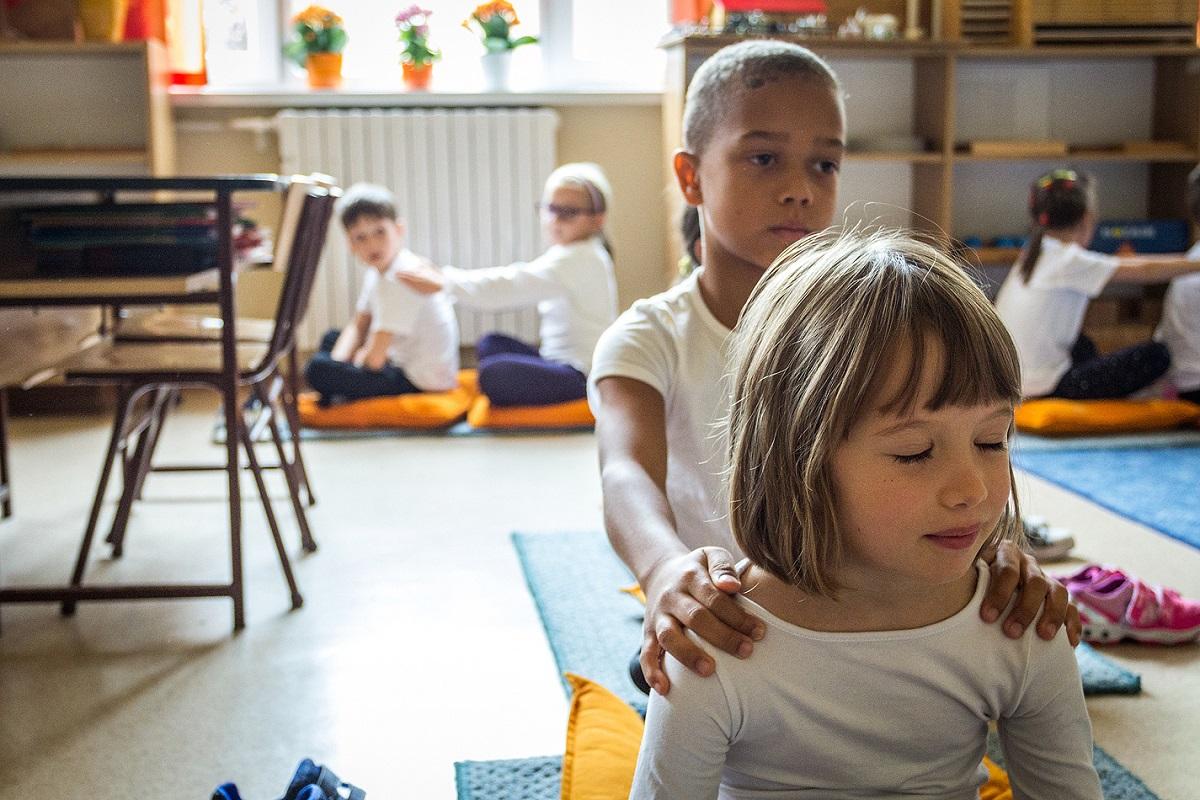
(936, 77)
(91, 108)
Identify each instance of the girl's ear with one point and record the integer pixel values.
(687, 175)
(400, 228)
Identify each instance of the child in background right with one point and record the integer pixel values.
(1179, 328)
(874, 388)
(1045, 295)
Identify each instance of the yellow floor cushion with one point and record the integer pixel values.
(604, 734)
(573, 414)
(423, 410)
(1056, 416)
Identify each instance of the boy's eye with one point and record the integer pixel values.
(914, 458)
(830, 166)
(763, 159)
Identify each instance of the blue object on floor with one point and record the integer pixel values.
(1155, 486)
(539, 778)
(226, 791)
(594, 628)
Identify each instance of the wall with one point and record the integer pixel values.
(625, 140)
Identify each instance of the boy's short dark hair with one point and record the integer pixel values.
(742, 66)
(366, 200)
(1193, 195)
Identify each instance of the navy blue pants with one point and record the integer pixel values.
(512, 373)
(1120, 374)
(340, 380)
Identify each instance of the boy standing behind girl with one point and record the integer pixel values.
(763, 143)
(400, 341)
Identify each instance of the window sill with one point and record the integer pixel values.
(292, 95)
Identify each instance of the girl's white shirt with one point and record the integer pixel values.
(872, 715)
(1044, 317)
(573, 285)
(1179, 328)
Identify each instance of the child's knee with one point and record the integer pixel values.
(329, 339)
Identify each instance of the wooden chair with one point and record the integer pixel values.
(253, 294)
(149, 373)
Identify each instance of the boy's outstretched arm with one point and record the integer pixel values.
(374, 353)
(684, 589)
(1013, 572)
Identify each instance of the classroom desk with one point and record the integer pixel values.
(210, 286)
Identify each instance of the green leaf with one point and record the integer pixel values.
(524, 40)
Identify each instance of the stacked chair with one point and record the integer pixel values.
(150, 358)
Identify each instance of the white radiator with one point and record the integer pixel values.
(466, 181)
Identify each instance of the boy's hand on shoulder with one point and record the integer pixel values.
(1014, 573)
(693, 591)
(423, 277)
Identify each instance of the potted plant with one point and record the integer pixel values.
(319, 40)
(416, 56)
(494, 23)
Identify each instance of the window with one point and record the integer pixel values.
(583, 42)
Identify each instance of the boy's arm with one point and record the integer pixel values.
(351, 337)
(374, 354)
(684, 589)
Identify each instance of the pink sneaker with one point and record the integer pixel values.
(1114, 606)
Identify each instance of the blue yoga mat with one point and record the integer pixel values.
(594, 628)
(540, 778)
(1157, 486)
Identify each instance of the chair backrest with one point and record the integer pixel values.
(316, 209)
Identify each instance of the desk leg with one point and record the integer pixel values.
(5, 489)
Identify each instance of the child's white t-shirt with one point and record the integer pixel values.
(423, 327)
(673, 343)
(1044, 316)
(573, 285)
(1179, 328)
(872, 715)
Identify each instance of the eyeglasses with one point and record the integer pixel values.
(562, 213)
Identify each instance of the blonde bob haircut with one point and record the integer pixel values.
(812, 349)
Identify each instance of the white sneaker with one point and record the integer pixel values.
(1045, 542)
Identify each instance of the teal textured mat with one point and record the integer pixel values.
(539, 778)
(594, 628)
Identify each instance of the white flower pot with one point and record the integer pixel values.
(495, 70)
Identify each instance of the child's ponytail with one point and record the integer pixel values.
(1058, 199)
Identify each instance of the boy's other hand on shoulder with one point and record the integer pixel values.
(422, 276)
(693, 591)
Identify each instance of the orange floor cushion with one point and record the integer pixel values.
(1055, 416)
(573, 414)
(423, 410)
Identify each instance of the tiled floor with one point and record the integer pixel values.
(417, 645)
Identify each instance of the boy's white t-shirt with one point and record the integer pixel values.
(872, 715)
(1179, 328)
(673, 343)
(423, 327)
(1044, 316)
(573, 285)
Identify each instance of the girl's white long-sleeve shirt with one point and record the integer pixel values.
(573, 285)
(871, 715)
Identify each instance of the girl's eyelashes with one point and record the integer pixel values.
(926, 454)
(914, 458)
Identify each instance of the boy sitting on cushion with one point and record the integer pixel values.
(400, 341)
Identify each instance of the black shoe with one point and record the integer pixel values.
(636, 675)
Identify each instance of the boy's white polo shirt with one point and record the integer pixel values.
(423, 327)
(673, 343)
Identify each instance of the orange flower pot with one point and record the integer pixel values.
(324, 70)
(416, 76)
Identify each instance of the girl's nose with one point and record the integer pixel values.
(964, 487)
